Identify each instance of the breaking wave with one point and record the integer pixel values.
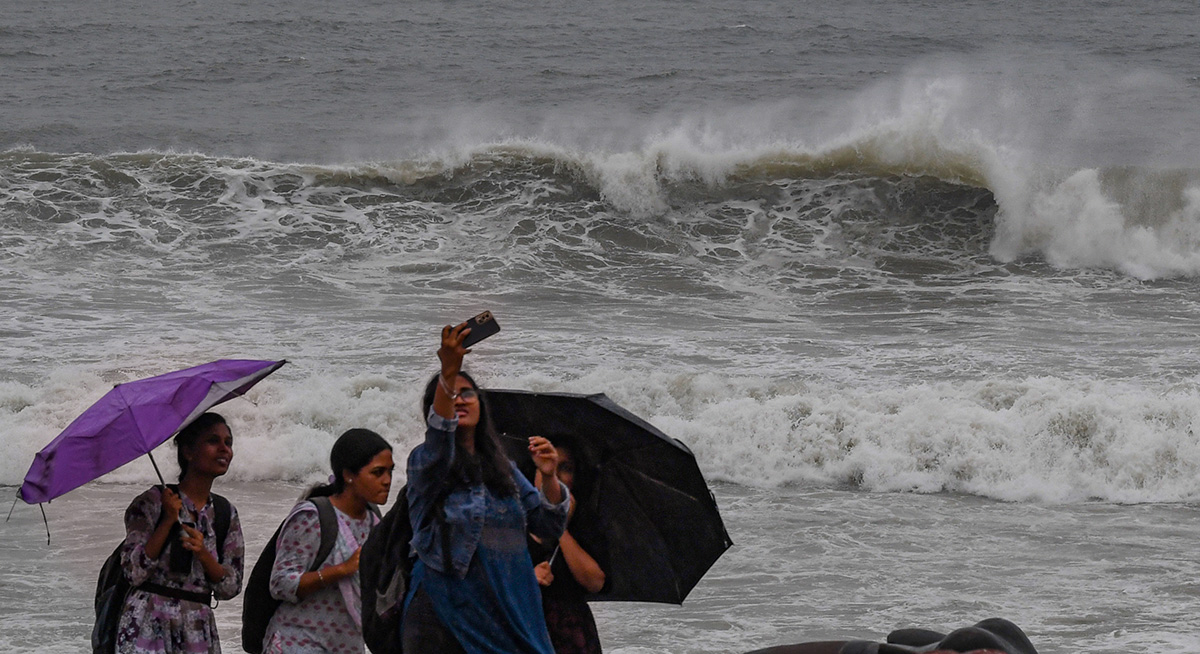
(1034, 439)
(882, 185)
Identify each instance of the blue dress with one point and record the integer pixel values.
(487, 594)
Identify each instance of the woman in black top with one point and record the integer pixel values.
(567, 573)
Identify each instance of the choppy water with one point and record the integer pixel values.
(872, 263)
(810, 563)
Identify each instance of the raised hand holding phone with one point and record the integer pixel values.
(481, 327)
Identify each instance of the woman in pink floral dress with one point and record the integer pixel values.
(172, 556)
(321, 610)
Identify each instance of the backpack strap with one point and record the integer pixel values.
(223, 511)
(178, 593)
(329, 530)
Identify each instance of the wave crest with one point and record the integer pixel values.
(1142, 222)
(1033, 439)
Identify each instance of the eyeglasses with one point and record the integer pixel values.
(468, 395)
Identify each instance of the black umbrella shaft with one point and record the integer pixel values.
(156, 470)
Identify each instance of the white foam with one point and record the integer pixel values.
(1077, 207)
(1048, 151)
(1034, 439)
(1076, 221)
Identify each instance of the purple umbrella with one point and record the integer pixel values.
(131, 420)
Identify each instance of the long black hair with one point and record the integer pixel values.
(352, 450)
(489, 463)
(188, 435)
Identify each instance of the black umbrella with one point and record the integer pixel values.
(645, 511)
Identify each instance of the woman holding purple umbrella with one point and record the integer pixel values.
(183, 547)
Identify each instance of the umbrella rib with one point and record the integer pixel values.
(119, 389)
(220, 390)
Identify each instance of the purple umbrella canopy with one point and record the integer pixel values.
(131, 420)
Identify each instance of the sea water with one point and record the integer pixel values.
(916, 281)
(809, 563)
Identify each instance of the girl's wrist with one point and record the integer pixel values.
(447, 387)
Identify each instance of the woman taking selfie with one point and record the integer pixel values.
(473, 588)
(321, 609)
(182, 548)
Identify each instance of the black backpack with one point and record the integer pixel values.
(385, 569)
(113, 586)
(258, 606)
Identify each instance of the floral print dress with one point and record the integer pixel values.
(330, 619)
(152, 623)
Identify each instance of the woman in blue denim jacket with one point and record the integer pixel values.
(473, 587)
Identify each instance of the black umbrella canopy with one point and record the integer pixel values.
(643, 507)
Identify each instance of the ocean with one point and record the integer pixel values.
(918, 282)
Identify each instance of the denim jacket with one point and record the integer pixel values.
(464, 508)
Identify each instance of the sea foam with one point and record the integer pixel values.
(1032, 439)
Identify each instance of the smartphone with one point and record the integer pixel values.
(482, 326)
